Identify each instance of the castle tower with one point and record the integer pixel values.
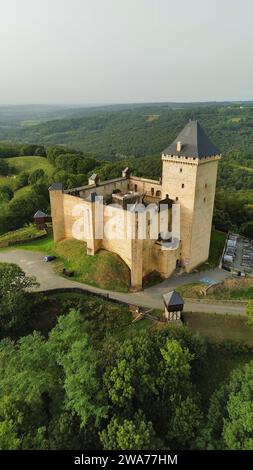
(57, 211)
(189, 177)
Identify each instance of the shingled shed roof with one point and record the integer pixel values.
(194, 143)
(173, 299)
(39, 215)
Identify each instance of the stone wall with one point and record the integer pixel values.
(144, 185)
(188, 181)
(57, 214)
(191, 182)
(115, 219)
(203, 211)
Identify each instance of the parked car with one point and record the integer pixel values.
(49, 258)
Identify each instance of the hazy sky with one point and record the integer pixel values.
(107, 51)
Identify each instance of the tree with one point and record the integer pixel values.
(230, 416)
(34, 410)
(31, 149)
(247, 229)
(8, 435)
(74, 352)
(4, 168)
(36, 175)
(153, 374)
(249, 312)
(130, 382)
(53, 153)
(181, 414)
(129, 434)
(40, 151)
(184, 423)
(22, 209)
(84, 393)
(29, 390)
(6, 193)
(13, 295)
(176, 362)
(21, 180)
(3, 218)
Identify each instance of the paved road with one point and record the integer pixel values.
(32, 263)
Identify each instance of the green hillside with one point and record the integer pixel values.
(105, 140)
(144, 129)
(30, 164)
(25, 164)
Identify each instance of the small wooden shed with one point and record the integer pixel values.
(41, 219)
(174, 305)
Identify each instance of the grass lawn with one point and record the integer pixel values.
(235, 289)
(230, 289)
(218, 328)
(21, 234)
(45, 245)
(192, 290)
(8, 181)
(30, 164)
(105, 269)
(235, 119)
(152, 117)
(22, 191)
(216, 249)
(30, 122)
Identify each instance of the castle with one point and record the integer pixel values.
(189, 172)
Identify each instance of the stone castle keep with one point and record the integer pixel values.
(188, 179)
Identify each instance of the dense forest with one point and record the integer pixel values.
(104, 140)
(88, 378)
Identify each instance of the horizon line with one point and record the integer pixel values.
(125, 103)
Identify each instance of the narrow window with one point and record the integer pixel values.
(182, 185)
(176, 198)
(181, 169)
(205, 185)
(204, 199)
(158, 193)
(135, 188)
(152, 191)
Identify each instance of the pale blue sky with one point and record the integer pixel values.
(107, 51)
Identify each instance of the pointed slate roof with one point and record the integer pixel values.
(194, 143)
(172, 299)
(56, 187)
